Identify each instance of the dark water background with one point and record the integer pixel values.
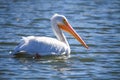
(97, 21)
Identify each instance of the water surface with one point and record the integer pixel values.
(96, 21)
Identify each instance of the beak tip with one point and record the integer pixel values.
(87, 47)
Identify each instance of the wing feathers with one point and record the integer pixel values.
(42, 46)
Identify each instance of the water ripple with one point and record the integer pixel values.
(97, 22)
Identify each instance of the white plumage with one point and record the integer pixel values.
(42, 46)
(49, 46)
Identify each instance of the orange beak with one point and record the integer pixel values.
(67, 27)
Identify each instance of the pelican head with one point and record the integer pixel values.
(60, 22)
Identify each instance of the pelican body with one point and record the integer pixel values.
(50, 46)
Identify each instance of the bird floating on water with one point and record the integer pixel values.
(44, 46)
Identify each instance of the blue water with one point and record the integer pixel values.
(96, 21)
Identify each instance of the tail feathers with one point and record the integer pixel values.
(24, 39)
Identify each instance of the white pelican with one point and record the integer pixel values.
(43, 46)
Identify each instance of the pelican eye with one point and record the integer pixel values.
(64, 21)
